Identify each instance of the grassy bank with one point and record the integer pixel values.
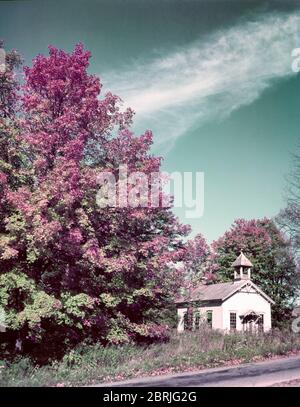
(191, 350)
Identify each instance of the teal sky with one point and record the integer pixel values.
(213, 79)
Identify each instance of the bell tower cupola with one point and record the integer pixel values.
(242, 268)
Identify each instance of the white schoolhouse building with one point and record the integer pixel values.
(238, 305)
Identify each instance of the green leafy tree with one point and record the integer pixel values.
(274, 269)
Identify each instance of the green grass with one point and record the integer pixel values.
(186, 351)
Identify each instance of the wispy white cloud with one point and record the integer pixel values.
(210, 78)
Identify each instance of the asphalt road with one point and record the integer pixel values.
(259, 374)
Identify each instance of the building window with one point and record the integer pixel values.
(197, 321)
(233, 321)
(260, 323)
(209, 315)
(188, 319)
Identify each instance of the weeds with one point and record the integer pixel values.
(189, 350)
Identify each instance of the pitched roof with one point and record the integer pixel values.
(220, 291)
(211, 292)
(242, 260)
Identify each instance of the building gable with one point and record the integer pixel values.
(249, 287)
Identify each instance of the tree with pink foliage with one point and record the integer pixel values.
(69, 268)
(196, 257)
